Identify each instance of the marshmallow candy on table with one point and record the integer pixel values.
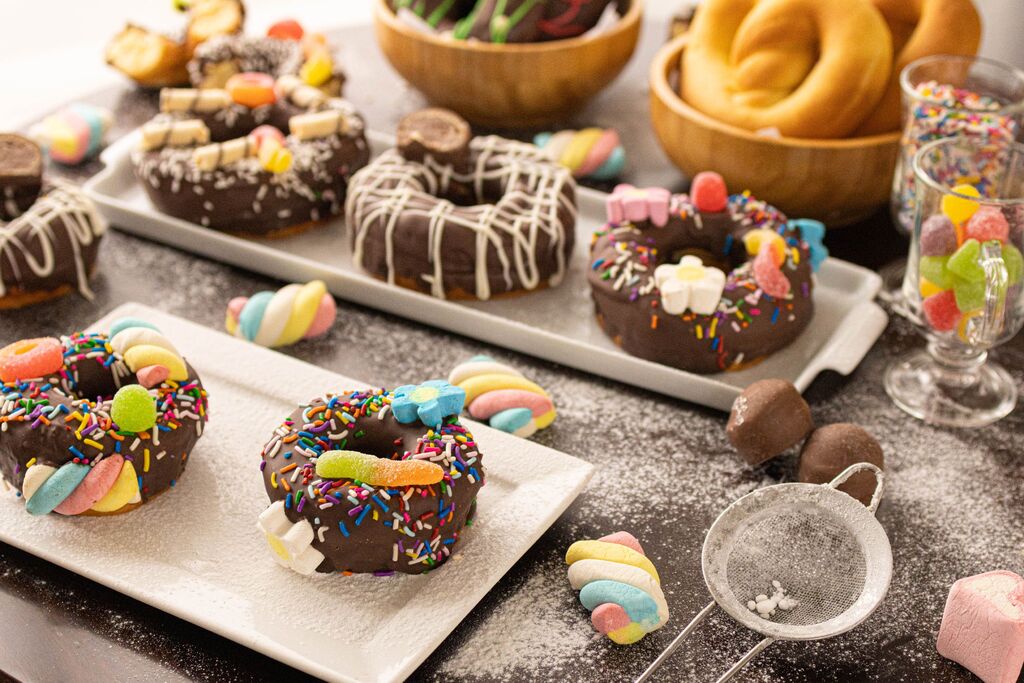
(73, 134)
(619, 585)
(284, 317)
(590, 153)
(501, 395)
(983, 626)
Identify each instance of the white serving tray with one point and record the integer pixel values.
(195, 551)
(556, 324)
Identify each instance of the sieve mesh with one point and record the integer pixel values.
(810, 551)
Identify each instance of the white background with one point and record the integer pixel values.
(52, 50)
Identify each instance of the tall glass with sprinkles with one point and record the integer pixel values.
(964, 283)
(951, 96)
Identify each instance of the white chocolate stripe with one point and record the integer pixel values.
(586, 571)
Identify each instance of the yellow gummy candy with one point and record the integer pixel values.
(928, 288)
(140, 356)
(612, 552)
(304, 309)
(755, 239)
(959, 209)
(576, 152)
(124, 490)
(481, 384)
(627, 635)
(318, 69)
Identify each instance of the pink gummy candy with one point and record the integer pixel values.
(767, 275)
(987, 223)
(708, 193)
(938, 236)
(609, 617)
(152, 375)
(92, 489)
(983, 626)
(941, 311)
(623, 538)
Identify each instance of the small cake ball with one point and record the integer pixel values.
(769, 417)
(833, 448)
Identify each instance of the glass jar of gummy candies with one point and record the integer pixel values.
(950, 96)
(963, 286)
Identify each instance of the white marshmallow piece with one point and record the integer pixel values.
(689, 285)
(294, 538)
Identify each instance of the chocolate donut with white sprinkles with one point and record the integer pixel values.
(371, 481)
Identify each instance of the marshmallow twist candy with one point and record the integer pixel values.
(501, 395)
(73, 134)
(594, 153)
(284, 317)
(619, 585)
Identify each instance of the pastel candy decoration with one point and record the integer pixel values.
(501, 395)
(620, 586)
(757, 239)
(633, 204)
(152, 375)
(30, 358)
(124, 491)
(291, 542)
(251, 89)
(57, 487)
(318, 67)
(74, 134)
(594, 153)
(768, 275)
(429, 402)
(689, 285)
(142, 346)
(94, 486)
(813, 234)
(284, 317)
(34, 478)
(375, 471)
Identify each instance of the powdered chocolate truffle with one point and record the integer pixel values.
(833, 448)
(766, 419)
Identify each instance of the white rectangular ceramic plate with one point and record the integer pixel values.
(195, 551)
(557, 324)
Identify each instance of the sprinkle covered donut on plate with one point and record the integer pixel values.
(703, 282)
(220, 158)
(96, 423)
(371, 481)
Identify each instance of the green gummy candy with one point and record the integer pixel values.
(345, 465)
(1014, 263)
(933, 269)
(970, 296)
(964, 263)
(134, 409)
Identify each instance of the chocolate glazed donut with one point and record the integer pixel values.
(343, 524)
(221, 57)
(59, 444)
(462, 217)
(49, 231)
(241, 194)
(739, 321)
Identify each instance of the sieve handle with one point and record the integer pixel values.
(876, 497)
(675, 643)
(754, 651)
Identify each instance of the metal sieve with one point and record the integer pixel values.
(824, 547)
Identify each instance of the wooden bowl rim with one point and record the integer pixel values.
(668, 58)
(384, 14)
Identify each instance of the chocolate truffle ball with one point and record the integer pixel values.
(833, 448)
(766, 419)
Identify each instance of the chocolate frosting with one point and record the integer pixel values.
(507, 224)
(92, 373)
(221, 57)
(358, 522)
(748, 324)
(242, 197)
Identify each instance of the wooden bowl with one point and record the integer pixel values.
(521, 85)
(836, 181)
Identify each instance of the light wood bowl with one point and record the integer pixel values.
(836, 181)
(522, 85)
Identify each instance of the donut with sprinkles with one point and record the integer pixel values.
(97, 423)
(462, 217)
(221, 158)
(704, 282)
(371, 481)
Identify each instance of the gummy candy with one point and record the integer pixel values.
(928, 288)
(30, 358)
(286, 29)
(757, 239)
(708, 192)
(251, 89)
(134, 409)
(958, 208)
(941, 311)
(988, 223)
(970, 296)
(1014, 263)
(964, 263)
(375, 471)
(767, 274)
(933, 269)
(318, 68)
(938, 236)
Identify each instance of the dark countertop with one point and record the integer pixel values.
(665, 470)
